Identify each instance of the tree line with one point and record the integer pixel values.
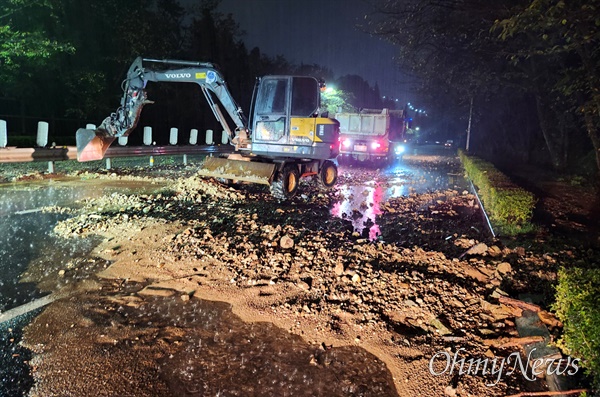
(530, 67)
(67, 58)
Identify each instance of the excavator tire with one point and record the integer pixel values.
(327, 175)
(286, 182)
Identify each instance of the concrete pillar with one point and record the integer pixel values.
(185, 159)
(123, 140)
(108, 163)
(173, 136)
(209, 137)
(147, 136)
(42, 134)
(51, 167)
(3, 134)
(193, 136)
(224, 138)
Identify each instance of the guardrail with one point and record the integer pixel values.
(10, 154)
(23, 155)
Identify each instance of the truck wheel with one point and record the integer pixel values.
(327, 175)
(286, 182)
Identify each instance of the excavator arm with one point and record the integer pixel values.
(92, 145)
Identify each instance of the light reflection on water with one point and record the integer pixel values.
(362, 199)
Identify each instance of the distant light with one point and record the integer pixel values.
(384, 97)
(330, 90)
(396, 99)
(347, 142)
(409, 104)
(417, 128)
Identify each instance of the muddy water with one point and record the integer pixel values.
(25, 238)
(93, 344)
(163, 346)
(362, 197)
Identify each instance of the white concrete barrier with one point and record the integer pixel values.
(147, 136)
(42, 134)
(193, 136)
(209, 137)
(3, 134)
(173, 136)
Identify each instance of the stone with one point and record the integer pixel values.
(356, 279)
(494, 251)
(339, 269)
(286, 242)
(520, 251)
(477, 249)
(504, 268)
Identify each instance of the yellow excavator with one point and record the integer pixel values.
(285, 138)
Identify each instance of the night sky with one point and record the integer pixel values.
(322, 32)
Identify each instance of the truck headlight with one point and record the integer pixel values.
(399, 149)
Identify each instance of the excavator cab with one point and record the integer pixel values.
(285, 123)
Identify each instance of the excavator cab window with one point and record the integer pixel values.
(305, 96)
(272, 97)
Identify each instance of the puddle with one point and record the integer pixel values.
(167, 347)
(26, 238)
(363, 195)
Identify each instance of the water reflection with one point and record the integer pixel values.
(363, 196)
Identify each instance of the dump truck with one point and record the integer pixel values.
(284, 139)
(372, 134)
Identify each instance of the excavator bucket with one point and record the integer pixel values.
(240, 170)
(91, 146)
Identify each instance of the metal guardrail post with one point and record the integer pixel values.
(108, 163)
(3, 134)
(224, 138)
(209, 137)
(42, 141)
(123, 140)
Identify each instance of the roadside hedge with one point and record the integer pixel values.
(509, 207)
(578, 307)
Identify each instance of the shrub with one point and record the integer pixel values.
(578, 307)
(510, 207)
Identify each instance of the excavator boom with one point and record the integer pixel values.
(92, 144)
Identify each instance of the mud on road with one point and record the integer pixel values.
(313, 304)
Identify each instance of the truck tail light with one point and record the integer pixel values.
(375, 145)
(346, 143)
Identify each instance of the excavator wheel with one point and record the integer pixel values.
(286, 182)
(327, 175)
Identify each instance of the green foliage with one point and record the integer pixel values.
(578, 307)
(510, 207)
(24, 39)
(333, 100)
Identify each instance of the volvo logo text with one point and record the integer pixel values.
(178, 75)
